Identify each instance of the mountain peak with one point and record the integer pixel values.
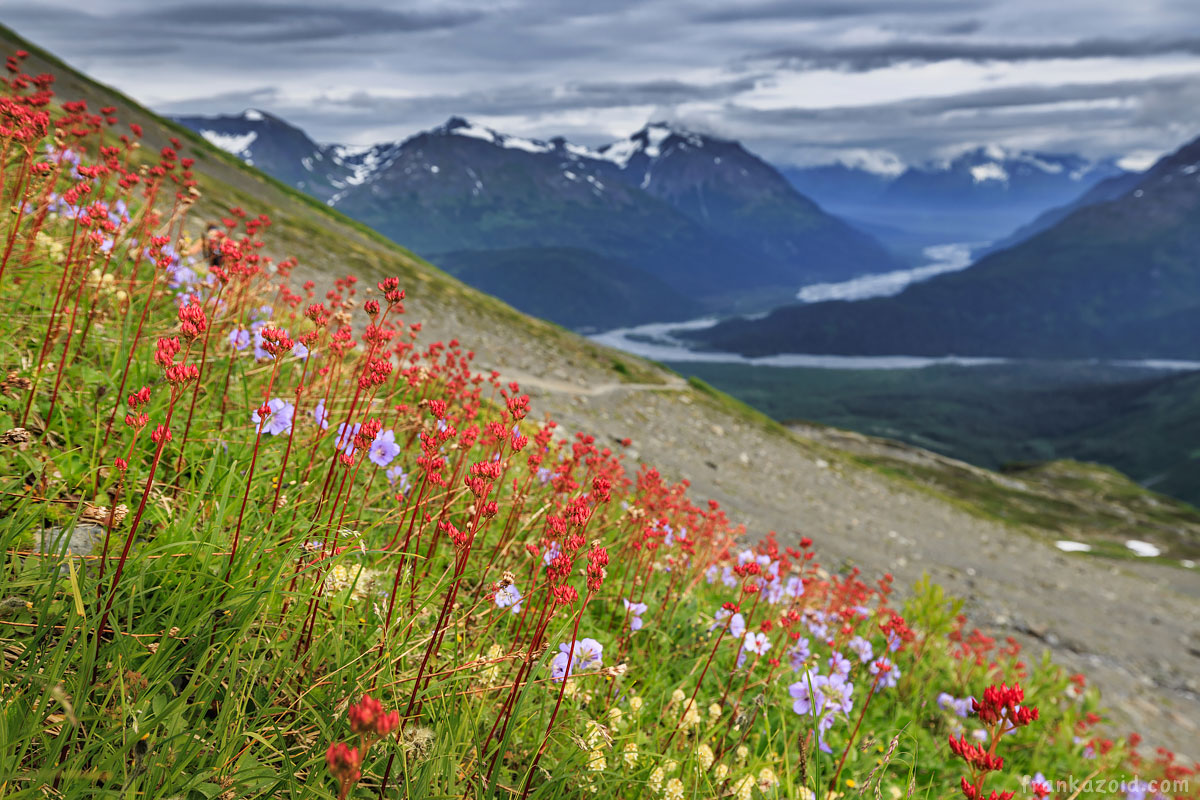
(652, 141)
(460, 126)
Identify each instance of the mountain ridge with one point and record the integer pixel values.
(979, 194)
(1115, 279)
(702, 215)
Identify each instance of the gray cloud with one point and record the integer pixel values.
(1162, 114)
(869, 57)
(830, 9)
(385, 69)
(297, 22)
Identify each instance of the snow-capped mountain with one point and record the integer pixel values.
(977, 195)
(708, 225)
(1117, 278)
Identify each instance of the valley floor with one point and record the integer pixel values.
(1131, 627)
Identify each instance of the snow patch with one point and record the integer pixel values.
(1138, 160)
(1045, 166)
(620, 152)
(1068, 546)
(1142, 549)
(252, 114)
(237, 144)
(476, 131)
(988, 172)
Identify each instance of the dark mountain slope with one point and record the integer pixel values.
(1119, 279)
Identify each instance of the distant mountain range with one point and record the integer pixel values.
(666, 224)
(1116, 278)
(978, 196)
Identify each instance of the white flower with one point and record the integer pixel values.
(630, 756)
(596, 761)
(757, 642)
(635, 704)
(741, 752)
(767, 779)
(744, 788)
(720, 772)
(674, 789)
(704, 756)
(677, 696)
(714, 711)
(656, 780)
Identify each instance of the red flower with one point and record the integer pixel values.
(192, 321)
(369, 717)
(165, 351)
(344, 762)
(161, 434)
(276, 342)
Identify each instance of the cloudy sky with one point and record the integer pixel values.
(799, 81)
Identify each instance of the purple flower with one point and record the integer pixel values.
(794, 587)
(299, 350)
(397, 477)
(890, 672)
(799, 654)
(321, 414)
(552, 552)
(259, 352)
(728, 578)
(635, 611)
(862, 648)
(823, 725)
(963, 708)
(839, 664)
(587, 655)
(509, 596)
(280, 420)
(383, 449)
(805, 691)
(345, 437)
(239, 339)
(774, 592)
(1134, 790)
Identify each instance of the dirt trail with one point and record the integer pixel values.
(1133, 629)
(672, 383)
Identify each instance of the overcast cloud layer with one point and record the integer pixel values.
(799, 81)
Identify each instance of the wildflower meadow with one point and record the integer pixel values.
(263, 539)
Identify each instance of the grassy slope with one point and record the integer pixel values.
(326, 241)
